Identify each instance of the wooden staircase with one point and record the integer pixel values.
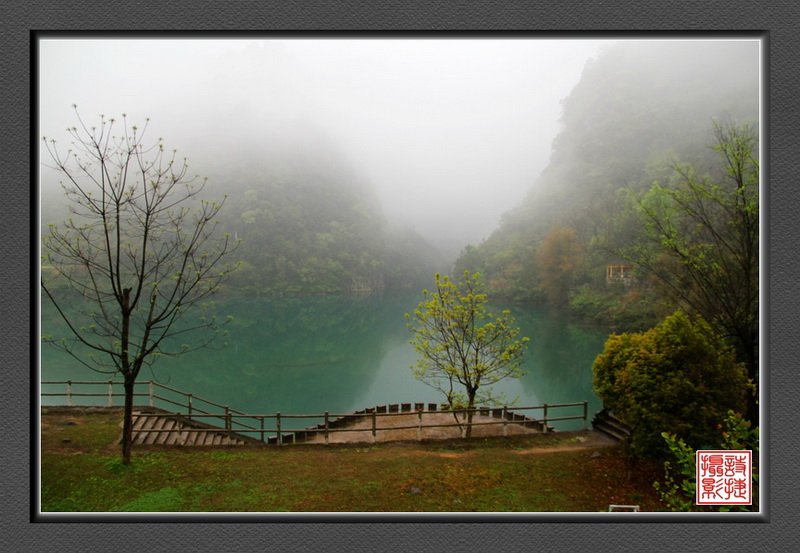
(163, 428)
(604, 421)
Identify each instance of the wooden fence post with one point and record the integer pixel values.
(262, 427)
(544, 420)
(326, 428)
(228, 423)
(69, 393)
(152, 394)
(189, 404)
(111, 393)
(278, 424)
(585, 413)
(374, 425)
(505, 420)
(419, 426)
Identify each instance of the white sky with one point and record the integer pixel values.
(451, 133)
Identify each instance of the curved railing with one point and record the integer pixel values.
(273, 428)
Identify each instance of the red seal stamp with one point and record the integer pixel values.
(724, 477)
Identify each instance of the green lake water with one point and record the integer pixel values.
(339, 354)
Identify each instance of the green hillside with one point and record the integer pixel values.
(310, 225)
(637, 108)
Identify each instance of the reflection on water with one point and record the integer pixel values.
(309, 355)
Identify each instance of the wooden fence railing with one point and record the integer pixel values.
(157, 394)
(278, 431)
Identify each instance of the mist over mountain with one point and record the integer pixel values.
(638, 107)
(449, 133)
(310, 223)
(352, 164)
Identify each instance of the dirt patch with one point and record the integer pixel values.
(573, 441)
(413, 426)
(76, 430)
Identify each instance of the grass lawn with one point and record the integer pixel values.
(81, 472)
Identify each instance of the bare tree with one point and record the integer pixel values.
(137, 257)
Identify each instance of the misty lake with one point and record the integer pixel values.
(343, 353)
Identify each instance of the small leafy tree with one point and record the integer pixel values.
(138, 255)
(676, 378)
(464, 349)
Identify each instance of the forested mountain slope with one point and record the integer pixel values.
(638, 107)
(309, 224)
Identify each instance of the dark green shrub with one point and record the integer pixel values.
(676, 378)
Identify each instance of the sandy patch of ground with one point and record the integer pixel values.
(409, 426)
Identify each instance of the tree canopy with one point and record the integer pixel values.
(678, 377)
(463, 348)
(701, 239)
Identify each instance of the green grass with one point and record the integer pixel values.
(84, 474)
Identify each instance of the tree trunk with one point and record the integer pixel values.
(470, 407)
(469, 423)
(127, 422)
(130, 379)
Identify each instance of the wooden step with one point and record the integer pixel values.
(169, 429)
(610, 430)
(138, 421)
(197, 437)
(166, 431)
(175, 436)
(605, 422)
(142, 423)
(182, 438)
(158, 424)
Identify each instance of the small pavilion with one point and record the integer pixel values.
(619, 272)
